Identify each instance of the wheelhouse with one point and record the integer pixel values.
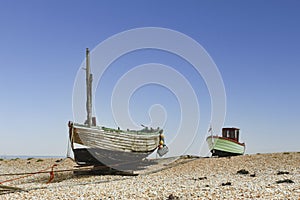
(231, 133)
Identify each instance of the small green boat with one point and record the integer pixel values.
(227, 145)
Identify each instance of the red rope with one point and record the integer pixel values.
(51, 174)
(33, 173)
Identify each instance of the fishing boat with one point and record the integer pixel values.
(227, 145)
(99, 145)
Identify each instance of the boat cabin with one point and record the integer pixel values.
(231, 133)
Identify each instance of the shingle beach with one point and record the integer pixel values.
(259, 176)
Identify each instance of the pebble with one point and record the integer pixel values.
(197, 179)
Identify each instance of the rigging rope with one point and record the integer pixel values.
(33, 173)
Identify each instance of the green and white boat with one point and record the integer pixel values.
(227, 145)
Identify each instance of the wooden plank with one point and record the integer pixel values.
(6, 189)
(116, 140)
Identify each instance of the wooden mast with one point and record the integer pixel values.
(89, 79)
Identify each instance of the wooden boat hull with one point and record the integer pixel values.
(111, 147)
(220, 146)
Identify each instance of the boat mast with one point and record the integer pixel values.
(211, 133)
(89, 79)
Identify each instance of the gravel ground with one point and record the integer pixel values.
(202, 178)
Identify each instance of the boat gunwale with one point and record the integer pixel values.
(231, 140)
(131, 132)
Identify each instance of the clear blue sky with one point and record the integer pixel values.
(255, 45)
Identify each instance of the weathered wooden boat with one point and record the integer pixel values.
(112, 146)
(98, 145)
(227, 145)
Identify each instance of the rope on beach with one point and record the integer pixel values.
(27, 174)
(33, 173)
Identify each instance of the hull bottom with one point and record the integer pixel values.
(220, 153)
(114, 159)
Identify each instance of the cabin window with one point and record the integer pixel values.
(231, 134)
